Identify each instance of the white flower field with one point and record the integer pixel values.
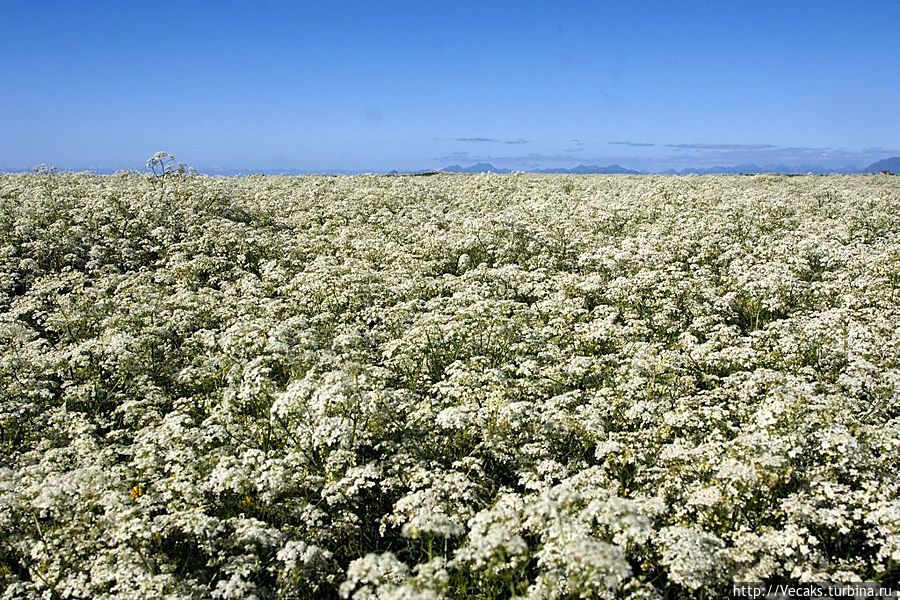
(470, 386)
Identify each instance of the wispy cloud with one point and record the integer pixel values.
(881, 150)
(455, 156)
(575, 146)
(634, 144)
(721, 146)
(489, 140)
(522, 159)
(691, 154)
(765, 155)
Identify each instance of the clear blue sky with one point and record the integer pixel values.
(381, 85)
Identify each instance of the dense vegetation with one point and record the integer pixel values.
(461, 386)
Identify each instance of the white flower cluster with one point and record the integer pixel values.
(451, 386)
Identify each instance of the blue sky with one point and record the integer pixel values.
(407, 85)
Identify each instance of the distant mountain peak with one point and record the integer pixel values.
(476, 168)
(889, 164)
(593, 170)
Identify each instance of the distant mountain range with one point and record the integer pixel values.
(479, 168)
(588, 169)
(888, 164)
(757, 169)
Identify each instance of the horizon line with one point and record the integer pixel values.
(458, 167)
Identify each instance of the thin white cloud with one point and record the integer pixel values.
(722, 146)
(490, 140)
(634, 144)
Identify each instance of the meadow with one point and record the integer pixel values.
(455, 386)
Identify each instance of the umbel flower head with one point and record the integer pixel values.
(162, 163)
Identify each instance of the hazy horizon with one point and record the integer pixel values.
(465, 166)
